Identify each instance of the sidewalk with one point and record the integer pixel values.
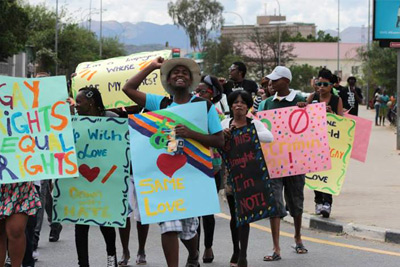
(368, 205)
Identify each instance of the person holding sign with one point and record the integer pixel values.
(239, 104)
(90, 103)
(334, 104)
(292, 185)
(179, 77)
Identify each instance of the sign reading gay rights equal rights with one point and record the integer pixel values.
(300, 143)
(36, 139)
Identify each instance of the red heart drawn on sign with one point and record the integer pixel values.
(169, 164)
(89, 173)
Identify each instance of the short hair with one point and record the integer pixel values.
(93, 93)
(352, 78)
(241, 67)
(335, 79)
(326, 74)
(245, 96)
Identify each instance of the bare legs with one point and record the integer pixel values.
(142, 230)
(170, 246)
(275, 228)
(13, 229)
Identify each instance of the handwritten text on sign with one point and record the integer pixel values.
(35, 131)
(110, 76)
(172, 185)
(300, 140)
(341, 136)
(99, 195)
(248, 175)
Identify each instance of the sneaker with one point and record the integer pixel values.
(318, 208)
(326, 210)
(55, 234)
(8, 262)
(35, 255)
(112, 261)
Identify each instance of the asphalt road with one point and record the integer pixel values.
(324, 249)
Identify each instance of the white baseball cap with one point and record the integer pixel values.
(280, 72)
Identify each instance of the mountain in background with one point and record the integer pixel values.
(147, 36)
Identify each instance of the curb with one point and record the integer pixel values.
(351, 229)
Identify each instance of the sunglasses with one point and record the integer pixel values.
(205, 91)
(324, 84)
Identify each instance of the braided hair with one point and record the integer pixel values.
(91, 92)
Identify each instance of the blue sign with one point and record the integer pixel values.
(386, 20)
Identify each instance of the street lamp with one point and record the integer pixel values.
(279, 35)
(237, 14)
(338, 42)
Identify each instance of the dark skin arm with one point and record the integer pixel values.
(356, 95)
(130, 88)
(210, 140)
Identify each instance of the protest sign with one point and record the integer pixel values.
(173, 177)
(99, 196)
(341, 136)
(110, 76)
(300, 140)
(361, 137)
(248, 175)
(36, 140)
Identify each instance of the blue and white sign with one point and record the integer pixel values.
(386, 19)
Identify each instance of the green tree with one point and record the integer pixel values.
(219, 56)
(13, 33)
(302, 76)
(380, 66)
(321, 37)
(198, 18)
(264, 52)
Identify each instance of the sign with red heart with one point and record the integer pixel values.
(169, 164)
(88, 173)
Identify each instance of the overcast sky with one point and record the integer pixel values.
(324, 13)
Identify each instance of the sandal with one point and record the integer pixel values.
(141, 259)
(300, 248)
(234, 260)
(273, 257)
(124, 261)
(193, 262)
(208, 259)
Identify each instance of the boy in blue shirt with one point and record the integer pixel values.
(179, 77)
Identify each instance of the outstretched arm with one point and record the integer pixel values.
(131, 86)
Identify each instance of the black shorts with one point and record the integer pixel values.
(293, 187)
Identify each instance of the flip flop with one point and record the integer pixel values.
(273, 257)
(300, 248)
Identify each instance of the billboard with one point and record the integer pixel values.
(386, 24)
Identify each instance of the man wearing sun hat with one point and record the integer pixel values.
(293, 186)
(179, 77)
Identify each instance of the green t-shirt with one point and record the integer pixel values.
(269, 103)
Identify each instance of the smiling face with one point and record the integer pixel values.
(180, 78)
(239, 107)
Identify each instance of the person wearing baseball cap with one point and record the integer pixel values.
(179, 77)
(293, 186)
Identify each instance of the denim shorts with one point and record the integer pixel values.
(293, 188)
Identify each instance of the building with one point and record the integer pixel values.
(268, 24)
(15, 66)
(319, 54)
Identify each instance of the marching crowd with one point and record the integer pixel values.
(22, 205)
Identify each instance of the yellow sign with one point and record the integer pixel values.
(110, 76)
(341, 136)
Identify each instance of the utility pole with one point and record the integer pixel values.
(101, 29)
(56, 37)
(368, 49)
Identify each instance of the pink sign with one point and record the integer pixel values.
(361, 138)
(300, 143)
